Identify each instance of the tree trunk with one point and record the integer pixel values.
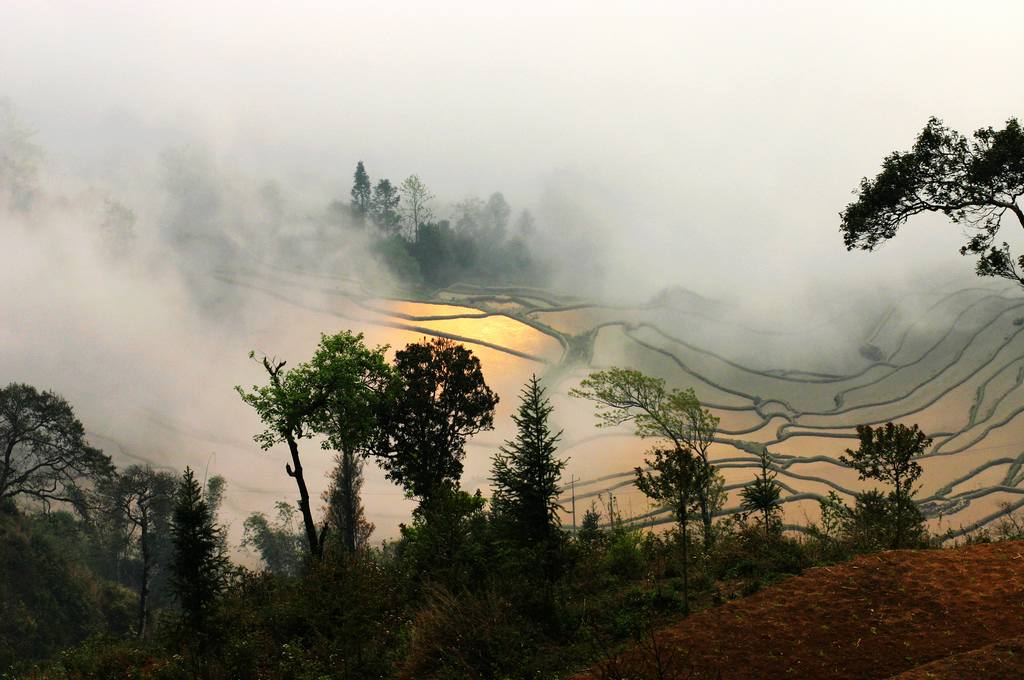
(144, 586)
(705, 516)
(1018, 212)
(899, 514)
(350, 502)
(683, 521)
(705, 502)
(295, 471)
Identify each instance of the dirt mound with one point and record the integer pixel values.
(875, 617)
(1000, 660)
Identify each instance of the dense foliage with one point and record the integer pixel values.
(442, 400)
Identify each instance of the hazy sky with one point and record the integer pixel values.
(693, 127)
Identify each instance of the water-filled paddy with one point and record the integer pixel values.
(951, 361)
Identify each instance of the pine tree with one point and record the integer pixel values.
(384, 207)
(362, 194)
(590, 527)
(526, 471)
(199, 566)
(762, 495)
(345, 516)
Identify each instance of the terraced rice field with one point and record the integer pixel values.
(951, 360)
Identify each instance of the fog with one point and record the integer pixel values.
(708, 146)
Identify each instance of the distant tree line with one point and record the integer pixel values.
(478, 242)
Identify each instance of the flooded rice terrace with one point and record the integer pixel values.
(950, 359)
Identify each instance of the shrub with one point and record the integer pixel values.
(473, 635)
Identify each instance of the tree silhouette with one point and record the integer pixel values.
(200, 565)
(415, 206)
(43, 452)
(674, 478)
(384, 207)
(762, 495)
(626, 395)
(973, 182)
(344, 508)
(287, 408)
(362, 194)
(340, 394)
(888, 453)
(441, 402)
(526, 471)
(144, 498)
(279, 544)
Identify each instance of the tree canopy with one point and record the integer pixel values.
(339, 394)
(623, 395)
(442, 401)
(43, 447)
(384, 206)
(888, 453)
(144, 499)
(415, 204)
(974, 182)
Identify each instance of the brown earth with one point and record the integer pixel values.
(1000, 660)
(904, 614)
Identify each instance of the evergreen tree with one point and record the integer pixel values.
(199, 566)
(590, 526)
(345, 516)
(384, 207)
(526, 471)
(762, 495)
(362, 194)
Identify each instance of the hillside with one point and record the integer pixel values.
(906, 614)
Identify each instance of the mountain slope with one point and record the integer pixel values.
(875, 617)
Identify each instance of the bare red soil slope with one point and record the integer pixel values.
(909, 614)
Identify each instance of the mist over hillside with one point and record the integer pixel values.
(160, 227)
(476, 340)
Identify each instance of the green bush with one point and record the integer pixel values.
(104, 657)
(48, 600)
(472, 635)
